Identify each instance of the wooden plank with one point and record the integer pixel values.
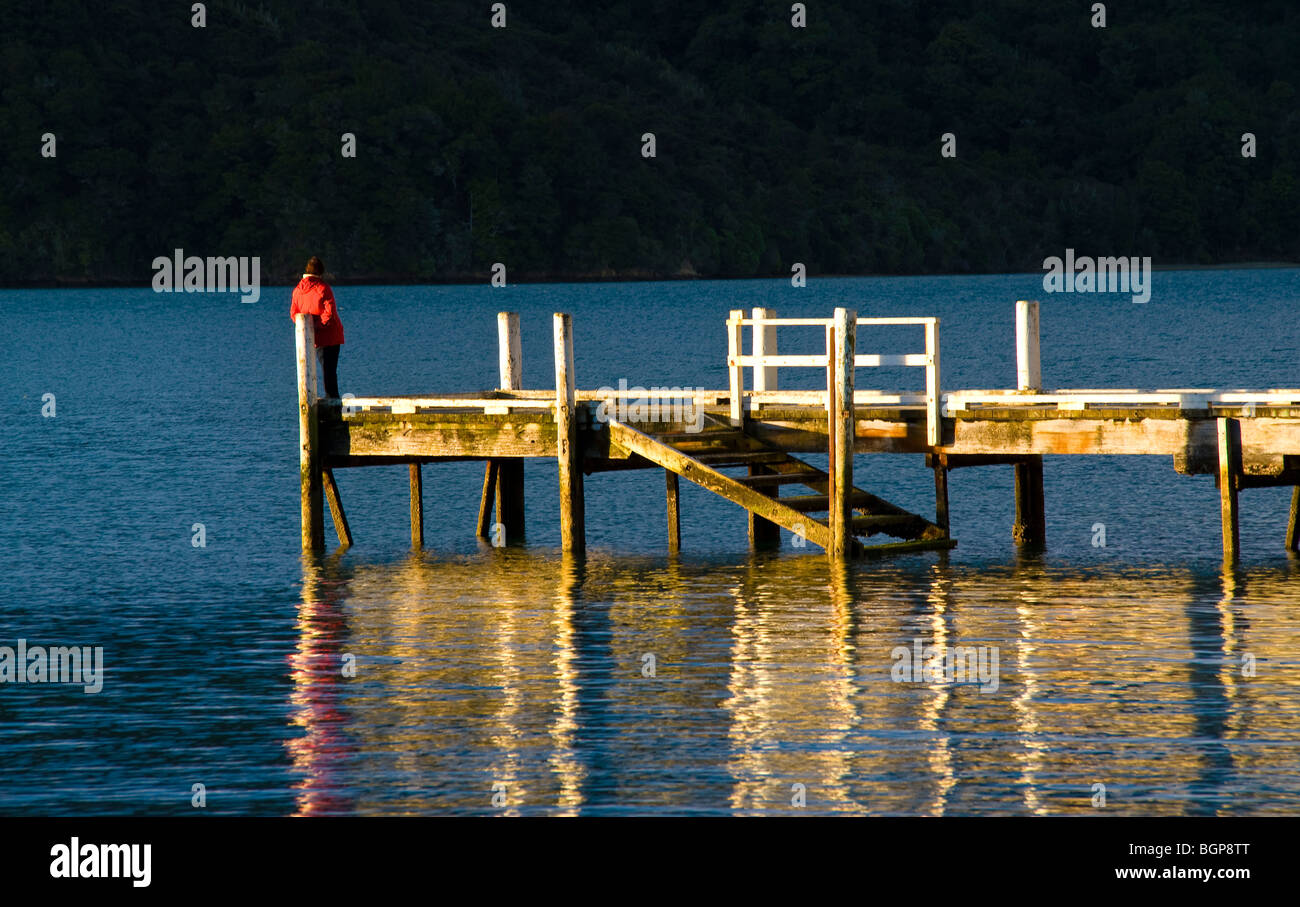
(573, 536)
(1229, 438)
(1029, 372)
(477, 401)
(312, 516)
(908, 547)
(738, 458)
(417, 507)
(486, 500)
(1029, 529)
(762, 481)
(870, 525)
(414, 438)
(732, 489)
(814, 503)
(1293, 522)
(841, 433)
(341, 527)
(674, 512)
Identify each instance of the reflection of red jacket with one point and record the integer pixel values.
(313, 296)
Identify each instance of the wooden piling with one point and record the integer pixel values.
(509, 497)
(485, 502)
(336, 508)
(841, 428)
(417, 507)
(674, 512)
(763, 533)
(941, 497)
(1293, 522)
(1229, 480)
(573, 535)
(309, 466)
(1030, 527)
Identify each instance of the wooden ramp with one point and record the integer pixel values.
(700, 456)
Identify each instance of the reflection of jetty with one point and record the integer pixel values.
(1246, 439)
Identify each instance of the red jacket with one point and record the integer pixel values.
(313, 296)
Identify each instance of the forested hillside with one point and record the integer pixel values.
(523, 145)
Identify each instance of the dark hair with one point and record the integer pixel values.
(314, 266)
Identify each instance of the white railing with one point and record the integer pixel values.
(764, 360)
(1079, 400)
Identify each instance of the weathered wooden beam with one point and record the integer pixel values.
(841, 433)
(335, 502)
(510, 472)
(1229, 435)
(309, 454)
(733, 489)
(573, 534)
(1030, 527)
(417, 507)
(440, 435)
(958, 461)
(674, 512)
(485, 502)
(1293, 522)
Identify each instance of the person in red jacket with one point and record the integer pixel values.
(313, 296)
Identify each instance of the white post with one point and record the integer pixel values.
(764, 345)
(734, 333)
(840, 426)
(508, 347)
(932, 423)
(573, 534)
(309, 465)
(1029, 373)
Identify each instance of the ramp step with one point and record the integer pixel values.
(864, 525)
(815, 503)
(904, 547)
(678, 436)
(779, 479)
(735, 458)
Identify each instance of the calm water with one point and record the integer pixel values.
(477, 667)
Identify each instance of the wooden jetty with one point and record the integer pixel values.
(1246, 439)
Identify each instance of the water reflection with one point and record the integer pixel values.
(525, 682)
(316, 668)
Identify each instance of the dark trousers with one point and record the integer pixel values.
(330, 359)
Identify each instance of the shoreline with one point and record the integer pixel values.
(70, 283)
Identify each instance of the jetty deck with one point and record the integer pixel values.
(745, 442)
